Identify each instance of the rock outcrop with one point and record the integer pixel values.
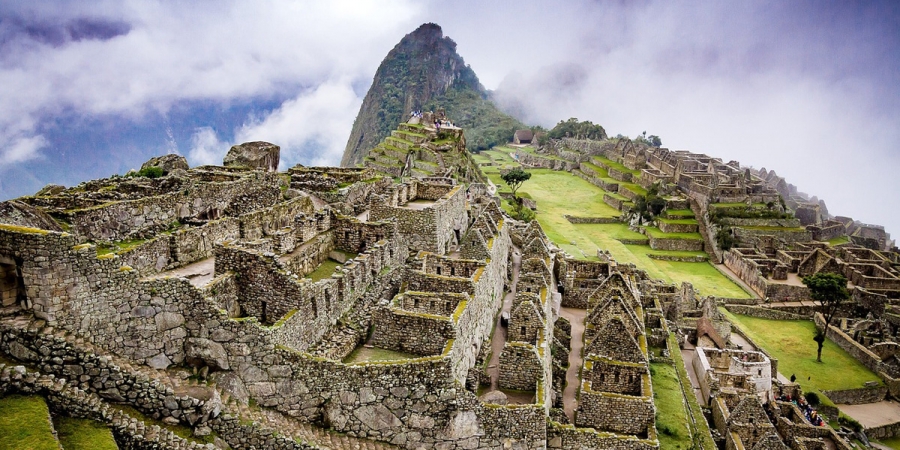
(167, 163)
(255, 155)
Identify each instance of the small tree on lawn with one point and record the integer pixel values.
(514, 179)
(830, 291)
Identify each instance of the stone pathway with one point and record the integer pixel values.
(736, 279)
(573, 373)
(688, 354)
(498, 340)
(872, 415)
(269, 420)
(199, 273)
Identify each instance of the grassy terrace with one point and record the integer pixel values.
(25, 423)
(614, 165)
(791, 342)
(839, 240)
(559, 193)
(766, 228)
(84, 434)
(671, 417)
(324, 270)
(679, 213)
(679, 221)
(657, 233)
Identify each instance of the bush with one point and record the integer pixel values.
(148, 172)
(724, 238)
(849, 422)
(812, 398)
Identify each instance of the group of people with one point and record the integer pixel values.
(437, 122)
(808, 411)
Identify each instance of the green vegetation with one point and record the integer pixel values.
(559, 193)
(578, 130)
(485, 125)
(119, 247)
(671, 417)
(148, 172)
(701, 436)
(324, 270)
(614, 165)
(893, 442)
(679, 212)
(839, 240)
(788, 340)
(657, 233)
(830, 290)
(514, 179)
(25, 423)
(84, 434)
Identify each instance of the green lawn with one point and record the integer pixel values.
(25, 423)
(839, 240)
(617, 166)
(559, 193)
(671, 417)
(791, 342)
(324, 270)
(679, 221)
(679, 212)
(893, 442)
(657, 233)
(84, 434)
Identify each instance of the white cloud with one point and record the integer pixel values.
(21, 149)
(312, 128)
(206, 148)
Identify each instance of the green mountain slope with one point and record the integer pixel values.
(424, 72)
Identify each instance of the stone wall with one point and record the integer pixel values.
(579, 219)
(411, 332)
(520, 367)
(433, 227)
(687, 245)
(570, 437)
(670, 227)
(615, 412)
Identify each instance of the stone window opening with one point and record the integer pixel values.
(415, 303)
(263, 312)
(524, 329)
(438, 270)
(617, 378)
(452, 271)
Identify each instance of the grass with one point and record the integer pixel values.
(671, 417)
(679, 212)
(679, 221)
(366, 354)
(839, 240)
(893, 442)
(657, 233)
(791, 342)
(559, 193)
(324, 270)
(84, 434)
(614, 165)
(119, 247)
(768, 228)
(25, 423)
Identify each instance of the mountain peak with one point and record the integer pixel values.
(423, 71)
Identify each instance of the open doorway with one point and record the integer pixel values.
(12, 288)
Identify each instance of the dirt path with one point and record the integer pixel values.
(573, 374)
(498, 340)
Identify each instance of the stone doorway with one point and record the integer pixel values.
(12, 288)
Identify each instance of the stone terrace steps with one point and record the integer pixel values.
(180, 379)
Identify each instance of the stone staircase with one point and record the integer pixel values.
(182, 382)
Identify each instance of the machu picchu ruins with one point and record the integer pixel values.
(623, 295)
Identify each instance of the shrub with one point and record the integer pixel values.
(148, 172)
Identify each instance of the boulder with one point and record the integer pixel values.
(167, 163)
(204, 352)
(255, 155)
(50, 190)
(494, 397)
(24, 215)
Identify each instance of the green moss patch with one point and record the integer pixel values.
(25, 423)
(84, 434)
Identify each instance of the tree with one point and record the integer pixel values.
(830, 290)
(514, 179)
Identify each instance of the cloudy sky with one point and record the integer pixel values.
(809, 89)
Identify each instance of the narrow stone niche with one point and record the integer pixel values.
(12, 289)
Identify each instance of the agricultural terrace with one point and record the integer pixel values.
(559, 193)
